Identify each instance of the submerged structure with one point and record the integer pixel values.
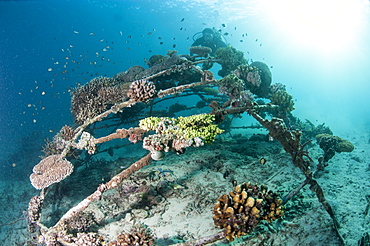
(105, 106)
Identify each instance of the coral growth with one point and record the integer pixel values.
(284, 100)
(59, 142)
(132, 74)
(231, 86)
(230, 59)
(155, 59)
(140, 235)
(201, 51)
(50, 170)
(95, 97)
(266, 78)
(178, 134)
(257, 78)
(80, 222)
(241, 211)
(34, 211)
(331, 144)
(141, 90)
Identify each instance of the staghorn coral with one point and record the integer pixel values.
(50, 170)
(201, 51)
(140, 235)
(141, 90)
(241, 211)
(95, 97)
(230, 59)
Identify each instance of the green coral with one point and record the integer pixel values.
(149, 123)
(284, 100)
(229, 58)
(189, 127)
(200, 125)
(337, 143)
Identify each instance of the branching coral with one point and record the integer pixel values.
(95, 97)
(178, 134)
(231, 86)
(141, 90)
(241, 211)
(59, 141)
(155, 59)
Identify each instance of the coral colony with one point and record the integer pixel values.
(122, 98)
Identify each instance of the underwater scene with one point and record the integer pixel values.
(146, 122)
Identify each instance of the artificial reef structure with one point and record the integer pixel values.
(128, 98)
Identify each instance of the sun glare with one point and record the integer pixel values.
(327, 25)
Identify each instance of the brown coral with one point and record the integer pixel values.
(95, 97)
(34, 210)
(201, 51)
(80, 222)
(132, 74)
(51, 169)
(140, 235)
(141, 90)
(241, 210)
(59, 141)
(331, 144)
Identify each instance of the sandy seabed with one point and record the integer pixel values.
(178, 206)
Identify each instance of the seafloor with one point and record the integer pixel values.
(177, 205)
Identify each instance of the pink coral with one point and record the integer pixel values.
(254, 77)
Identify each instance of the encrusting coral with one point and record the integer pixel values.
(241, 211)
(34, 212)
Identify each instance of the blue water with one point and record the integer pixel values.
(49, 47)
